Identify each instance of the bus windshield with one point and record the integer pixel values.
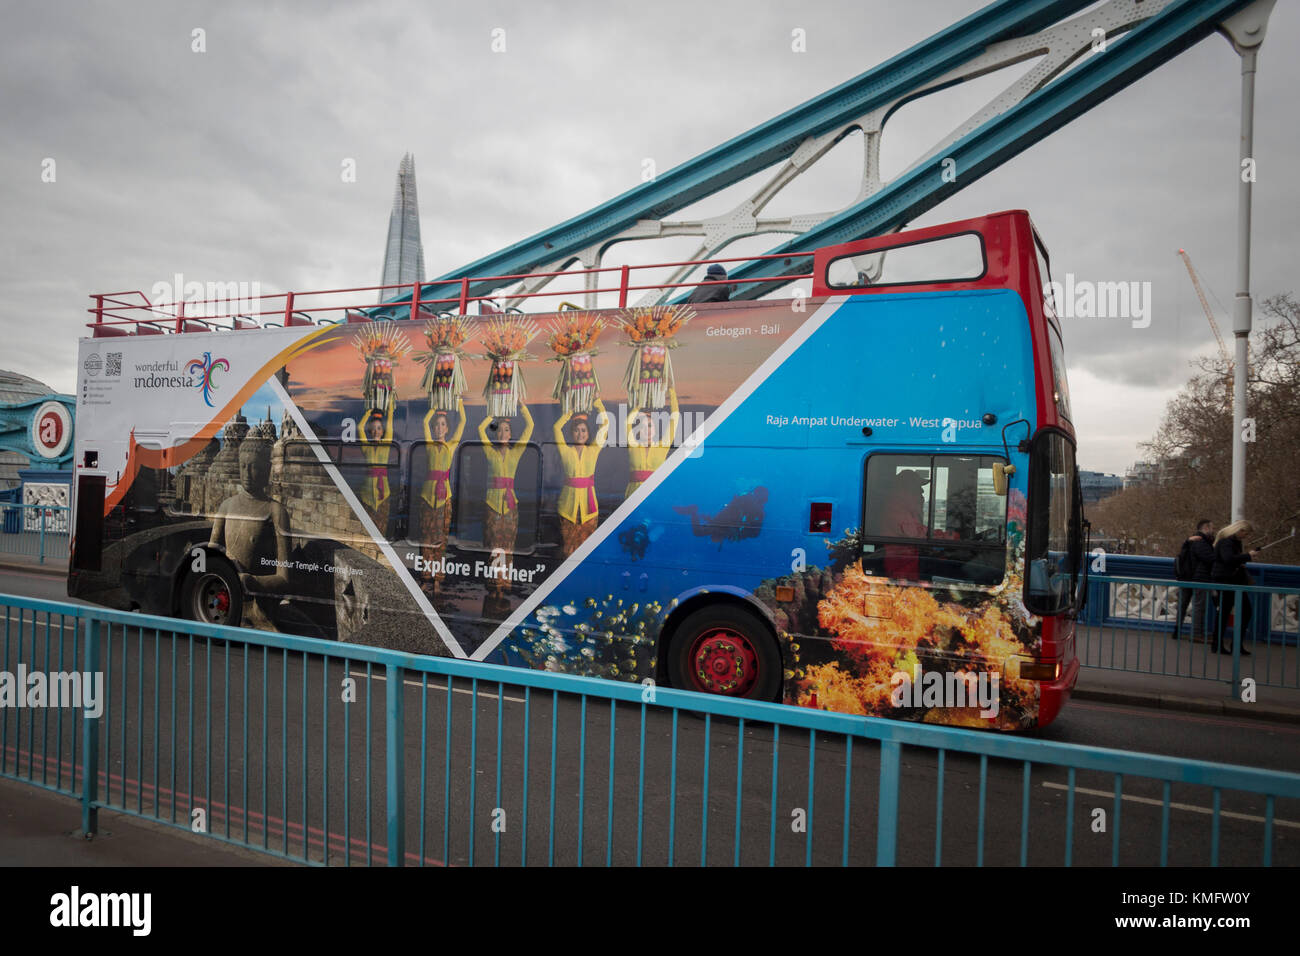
(1053, 552)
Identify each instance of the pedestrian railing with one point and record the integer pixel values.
(35, 531)
(1229, 634)
(342, 754)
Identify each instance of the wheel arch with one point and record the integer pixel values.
(698, 598)
(213, 554)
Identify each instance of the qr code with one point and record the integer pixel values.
(113, 365)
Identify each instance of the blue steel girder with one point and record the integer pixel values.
(1146, 47)
(765, 144)
(1181, 24)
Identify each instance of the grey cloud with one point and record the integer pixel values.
(225, 165)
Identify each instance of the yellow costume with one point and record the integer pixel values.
(502, 464)
(374, 489)
(577, 506)
(644, 459)
(501, 523)
(437, 484)
(435, 496)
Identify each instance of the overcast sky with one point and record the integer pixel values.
(225, 165)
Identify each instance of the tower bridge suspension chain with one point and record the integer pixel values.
(1084, 56)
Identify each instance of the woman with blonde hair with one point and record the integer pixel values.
(1230, 560)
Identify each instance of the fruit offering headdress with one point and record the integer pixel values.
(573, 340)
(651, 331)
(444, 379)
(505, 338)
(381, 345)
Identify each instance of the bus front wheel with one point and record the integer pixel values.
(213, 596)
(725, 650)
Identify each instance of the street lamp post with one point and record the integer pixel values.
(1245, 30)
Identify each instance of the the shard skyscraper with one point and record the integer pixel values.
(404, 257)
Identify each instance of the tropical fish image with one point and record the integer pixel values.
(742, 518)
(637, 539)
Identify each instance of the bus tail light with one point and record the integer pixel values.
(1031, 668)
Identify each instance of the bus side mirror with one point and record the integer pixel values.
(1000, 472)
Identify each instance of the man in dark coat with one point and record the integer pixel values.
(713, 293)
(1201, 545)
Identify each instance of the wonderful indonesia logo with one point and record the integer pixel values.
(198, 373)
(205, 369)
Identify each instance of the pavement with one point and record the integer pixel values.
(38, 827)
(54, 567)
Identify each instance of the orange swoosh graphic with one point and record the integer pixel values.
(138, 456)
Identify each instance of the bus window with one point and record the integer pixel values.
(373, 471)
(933, 518)
(492, 509)
(1045, 276)
(1060, 386)
(957, 258)
(152, 486)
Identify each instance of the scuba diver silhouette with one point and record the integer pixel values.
(741, 518)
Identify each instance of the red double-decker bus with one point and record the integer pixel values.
(860, 496)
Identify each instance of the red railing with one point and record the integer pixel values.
(115, 314)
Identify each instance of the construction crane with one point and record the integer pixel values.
(1209, 315)
(1200, 294)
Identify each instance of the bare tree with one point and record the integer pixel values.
(1192, 450)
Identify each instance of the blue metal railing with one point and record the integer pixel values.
(1231, 632)
(337, 754)
(35, 531)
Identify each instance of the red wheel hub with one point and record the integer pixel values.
(221, 601)
(723, 661)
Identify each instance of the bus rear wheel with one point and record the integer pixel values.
(213, 596)
(725, 650)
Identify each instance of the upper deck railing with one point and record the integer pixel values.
(993, 251)
(132, 313)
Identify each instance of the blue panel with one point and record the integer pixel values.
(731, 516)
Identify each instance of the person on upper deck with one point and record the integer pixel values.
(712, 293)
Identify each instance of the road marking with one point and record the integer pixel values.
(459, 690)
(1189, 807)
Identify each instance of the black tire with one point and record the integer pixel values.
(213, 596)
(714, 649)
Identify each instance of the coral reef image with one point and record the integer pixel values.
(607, 637)
(879, 630)
(874, 629)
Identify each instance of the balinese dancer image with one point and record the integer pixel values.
(435, 493)
(578, 510)
(381, 346)
(573, 340)
(444, 378)
(646, 449)
(376, 442)
(501, 523)
(652, 334)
